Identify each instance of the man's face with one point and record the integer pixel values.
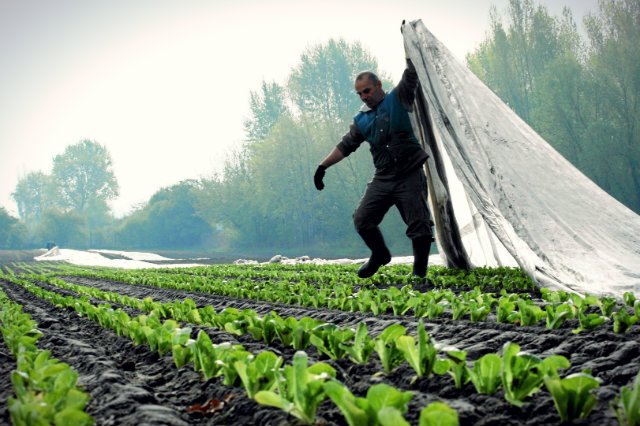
(371, 94)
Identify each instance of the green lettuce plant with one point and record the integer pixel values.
(522, 373)
(622, 321)
(629, 299)
(384, 405)
(486, 373)
(259, 372)
(529, 313)
(420, 356)
(558, 314)
(506, 311)
(386, 348)
(454, 364)
(572, 395)
(331, 340)
(627, 404)
(438, 414)
(300, 389)
(361, 348)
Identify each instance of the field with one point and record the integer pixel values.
(226, 344)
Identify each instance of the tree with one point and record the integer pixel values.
(169, 220)
(614, 66)
(322, 85)
(82, 173)
(584, 99)
(266, 109)
(33, 195)
(64, 228)
(12, 233)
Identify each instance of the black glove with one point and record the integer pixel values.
(317, 178)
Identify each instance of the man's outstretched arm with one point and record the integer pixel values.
(350, 142)
(334, 157)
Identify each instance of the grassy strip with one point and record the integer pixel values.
(45, 388)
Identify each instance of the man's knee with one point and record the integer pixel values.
(420, 229)
(361, 222)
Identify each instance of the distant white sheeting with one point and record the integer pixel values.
(136, 259)
(93, 258)
(434, 259)
(134, 255)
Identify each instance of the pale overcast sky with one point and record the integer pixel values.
(164, 85)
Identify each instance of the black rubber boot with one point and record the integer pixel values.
(421, 249)
(380, 254)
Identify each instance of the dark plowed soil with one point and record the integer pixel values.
(130, 385)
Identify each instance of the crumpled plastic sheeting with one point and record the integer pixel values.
(501, 195)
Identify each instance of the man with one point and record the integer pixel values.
(399, 180)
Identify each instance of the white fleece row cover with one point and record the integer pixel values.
(501, 195)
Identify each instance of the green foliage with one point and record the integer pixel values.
(301, 388)
(629, 299)
(486, 373)
(33, 195)
(582, 96)
(329, 339)
(522, 373)
(361, 348)
(267, 107)
(385, 346)
(12, 233)
(84, 172)
(259, 373)
(302, 120)
(622, 321)
(558, 314)
(66, 229)
(529, 313)
(438, 414)
(455, 364)
(383, 405)
(69, 206)
(45, 388)
(420, 356)
(572, 395)
(168, 220)
(506, 310)
(627, 404)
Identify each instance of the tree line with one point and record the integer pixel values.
(580, 92)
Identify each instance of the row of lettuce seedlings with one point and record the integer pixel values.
(298, 388)
(45, 389)
(555, 310)
(519, 374)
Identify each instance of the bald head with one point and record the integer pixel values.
(367, 75)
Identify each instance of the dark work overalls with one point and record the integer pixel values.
(399, 179)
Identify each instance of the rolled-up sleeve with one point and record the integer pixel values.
(351, 140)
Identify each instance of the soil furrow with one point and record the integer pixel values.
(7, 365)
(129, 384)
(613, 358)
